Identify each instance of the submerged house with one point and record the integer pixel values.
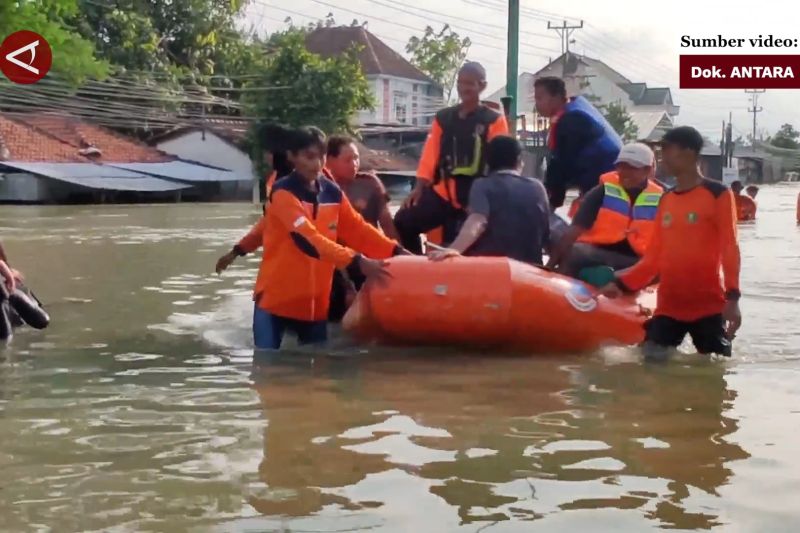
(56, 158)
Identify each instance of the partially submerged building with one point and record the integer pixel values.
(55, 158)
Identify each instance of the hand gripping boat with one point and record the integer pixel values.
(490, 302)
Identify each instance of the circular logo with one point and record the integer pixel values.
(25, 57)
(691, 218)
(580, 298)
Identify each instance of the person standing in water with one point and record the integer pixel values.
(694, 240)
(368, 196)
(745, 206)
(453, 157)
(307, 215)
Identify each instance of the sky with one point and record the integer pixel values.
(641, 40)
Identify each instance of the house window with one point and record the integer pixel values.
(416, 88)
(401, 107)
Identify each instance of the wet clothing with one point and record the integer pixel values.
(299, 233)
(745, 208)
(583, 145)
(269, 329)
(517, 214)
(453, 157)
(694, 238)
(707, 333)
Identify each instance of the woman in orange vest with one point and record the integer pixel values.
(307, 215)
(614, 223)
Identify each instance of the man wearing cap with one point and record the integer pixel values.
(454, 156)
(615, 222)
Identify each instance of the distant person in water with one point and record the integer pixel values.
(752, 191)
(745, 206)
(508, 213)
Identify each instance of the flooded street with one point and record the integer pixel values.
(140, 408)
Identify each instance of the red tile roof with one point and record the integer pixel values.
(375, 56)
(47, 137)
(372, 159)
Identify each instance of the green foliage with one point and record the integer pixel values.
(73, 56)
(170, 39)
(439, 55)
(309, 89)
(619, 118)
(787, 137)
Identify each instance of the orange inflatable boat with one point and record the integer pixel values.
(490, 302)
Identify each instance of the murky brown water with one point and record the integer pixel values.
(140, 408)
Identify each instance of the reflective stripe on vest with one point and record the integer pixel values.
(618, 220)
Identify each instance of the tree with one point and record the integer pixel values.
(787, 137)
(73, 56)
(439, 55)
(622, 122)
(307, 89)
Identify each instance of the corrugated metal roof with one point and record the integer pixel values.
(97, 176)
(181, 171)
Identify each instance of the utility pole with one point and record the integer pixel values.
(564, 31)
(755, 110)
(512, 63)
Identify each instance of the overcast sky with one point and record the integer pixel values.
(639, 39)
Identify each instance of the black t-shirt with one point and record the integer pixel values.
(589, 208)
(518, 215)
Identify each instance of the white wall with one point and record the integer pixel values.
(211, 150)
(390, 91)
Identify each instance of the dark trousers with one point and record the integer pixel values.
(584, 255)
(431, 212)
(708, 335)
(338, 306)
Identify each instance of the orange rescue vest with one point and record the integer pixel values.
(620, 219)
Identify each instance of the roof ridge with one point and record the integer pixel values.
(40, 130)
(367, 37)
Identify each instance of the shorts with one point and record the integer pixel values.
(268, 330)
(708, 334)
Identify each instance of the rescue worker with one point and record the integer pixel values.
(307, 214)
(752, 191)
(694, 240)
(508, 213)
(452, 158)
(745, 206)
(583, 145)
(615, 221)
(368, 196)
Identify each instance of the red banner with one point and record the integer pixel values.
(740, 71)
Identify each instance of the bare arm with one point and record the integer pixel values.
(386, 222)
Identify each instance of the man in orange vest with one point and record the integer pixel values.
(745, 206)
(614, 223)
(454, 156)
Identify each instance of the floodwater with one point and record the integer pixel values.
(140, 409)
